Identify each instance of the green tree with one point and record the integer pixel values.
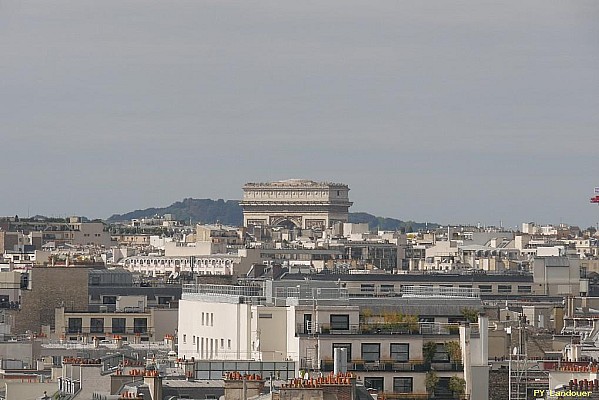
(457, 385)
(430, 381)
(428, 351)
(454, 351)
(470, 314)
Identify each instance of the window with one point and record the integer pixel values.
(339, 322)
(140, 325)
(387, 288)
(374, 383)
(108, 299)
(75, 325)
(371, 351)
(441, 355)
(485, 288)
(184, 338)
(400, 352)
(96, 325)
(202, 319)
(524, 289)
(164, 300)
(229, 343)
(211, 319)
(367, 288)
(346, 346)
(504, 288)
(118, 325)
(402, 385)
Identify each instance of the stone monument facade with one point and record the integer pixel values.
(295, 203)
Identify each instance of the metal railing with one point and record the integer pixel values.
(428, 291)
(223, 290)
(398, 328)
(420, 396)
(392, 366)
(109, 331)
(310, 293)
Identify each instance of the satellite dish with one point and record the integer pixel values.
(515, 351)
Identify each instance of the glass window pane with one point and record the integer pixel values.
(374, 383)
(75, 325)
(339, 321)
(441, 354)
(400, 352)
(402, 385)
(371, 351)
(96, 325)
(118, 325)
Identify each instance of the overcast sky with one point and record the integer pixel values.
(440, 111)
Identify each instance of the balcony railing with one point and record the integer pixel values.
(400, 328)
(420, 396)
(390, 366)
(107, 331)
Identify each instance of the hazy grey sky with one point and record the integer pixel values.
(444, 111)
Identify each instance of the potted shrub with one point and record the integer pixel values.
(365, 315)
(470, 314)
(454, 351)
(430, 381)
(457, 385)
(428, 352)
(412, 324)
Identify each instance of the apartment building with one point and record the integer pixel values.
(212, 264)
(391, 343)
(131, 320)
(553, 276)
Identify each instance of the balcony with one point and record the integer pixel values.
(392, 366)
(420, 396)
(401, 328)
(107, 331)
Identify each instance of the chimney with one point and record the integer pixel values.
(188, 367)
(340, 361)
(154, 382)
(242, 387)
(169, 340)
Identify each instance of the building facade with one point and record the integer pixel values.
(295, 203)
(392, 344)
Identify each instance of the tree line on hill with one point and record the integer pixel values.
(229, 212)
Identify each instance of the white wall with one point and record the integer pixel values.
(222, 333)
